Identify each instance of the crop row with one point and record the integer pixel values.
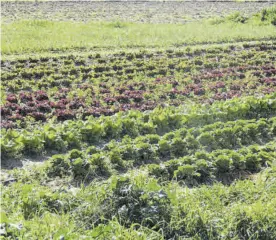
(106, 99)
(60, 72)
(129, 63)
(73, 134)
(228, 135)
(197, 168)
(88, 60)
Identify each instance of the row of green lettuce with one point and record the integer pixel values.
(198, 154)
(35, 140)
(199, 167)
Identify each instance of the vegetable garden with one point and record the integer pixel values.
(152, 143)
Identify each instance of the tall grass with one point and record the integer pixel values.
(43, 35)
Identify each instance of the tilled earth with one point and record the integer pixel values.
(145, 12)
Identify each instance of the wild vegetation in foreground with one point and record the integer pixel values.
(161, 143)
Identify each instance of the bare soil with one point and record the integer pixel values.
(142, 12)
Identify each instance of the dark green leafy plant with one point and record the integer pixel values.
(59, 166)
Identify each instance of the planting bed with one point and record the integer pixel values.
(70, 87)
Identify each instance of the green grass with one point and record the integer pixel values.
(41, 35)
(243, 210)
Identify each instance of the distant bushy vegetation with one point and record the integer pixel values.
(268, 15)
(265, 17)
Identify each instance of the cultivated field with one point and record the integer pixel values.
(138, 120)
(145, 12)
